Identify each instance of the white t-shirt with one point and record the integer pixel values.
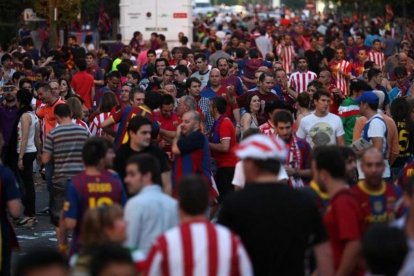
(320, 131)
(202, 77)
(239, 179)
(377, 128)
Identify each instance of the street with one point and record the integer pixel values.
(42, 234)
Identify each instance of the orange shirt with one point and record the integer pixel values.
(47, 114)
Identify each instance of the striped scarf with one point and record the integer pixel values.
(294, 161)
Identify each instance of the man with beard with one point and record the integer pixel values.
(298, 162)
(226, 78)
(168, 122)
(191, 150)
(299, 80)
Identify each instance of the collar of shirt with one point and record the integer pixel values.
(151, 188)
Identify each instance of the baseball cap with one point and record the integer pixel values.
(262, 147)
(368, 97)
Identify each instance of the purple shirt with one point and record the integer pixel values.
(8, 116)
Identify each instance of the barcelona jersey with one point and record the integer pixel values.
(377, 206)
(86, 191)
(122, 116)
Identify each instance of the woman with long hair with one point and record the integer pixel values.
(166, 54)
(75, 106)
(108, 102)
(65, 91)
(102, 225)
(249, 119)
(27, 147)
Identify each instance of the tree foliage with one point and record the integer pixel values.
(68, 10)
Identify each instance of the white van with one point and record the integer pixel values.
(167, 17)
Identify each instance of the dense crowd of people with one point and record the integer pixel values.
(259, 149)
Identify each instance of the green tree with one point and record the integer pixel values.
(67, 12)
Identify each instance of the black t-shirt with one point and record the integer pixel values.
(314, 60)
(125, 152)
(276, 224)
(406, 141)
(192, 142)
(328, 53)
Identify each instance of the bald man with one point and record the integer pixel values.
(379, 200)
(190, 147)
(399, 59)
(216, 89)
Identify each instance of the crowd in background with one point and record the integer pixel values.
(262, 147)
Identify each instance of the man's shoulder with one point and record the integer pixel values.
(144, 199)
(156, 151)
(253, 191)
(308, 119)
(333, 117)
(195, 135)
(69, 128)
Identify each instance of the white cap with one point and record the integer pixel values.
(262, 147)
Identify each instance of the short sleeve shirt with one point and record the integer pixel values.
(343, 221)
(226, 131)
(320, 131)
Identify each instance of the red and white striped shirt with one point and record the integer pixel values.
(81, 123)
(198, 248)
(267, 128)
(299, 81)
(286, 54)
(378, 58)
(339, 80)
(96, 122)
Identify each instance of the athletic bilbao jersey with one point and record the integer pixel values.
(377, 206)
(85, 192)
(198, 248)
